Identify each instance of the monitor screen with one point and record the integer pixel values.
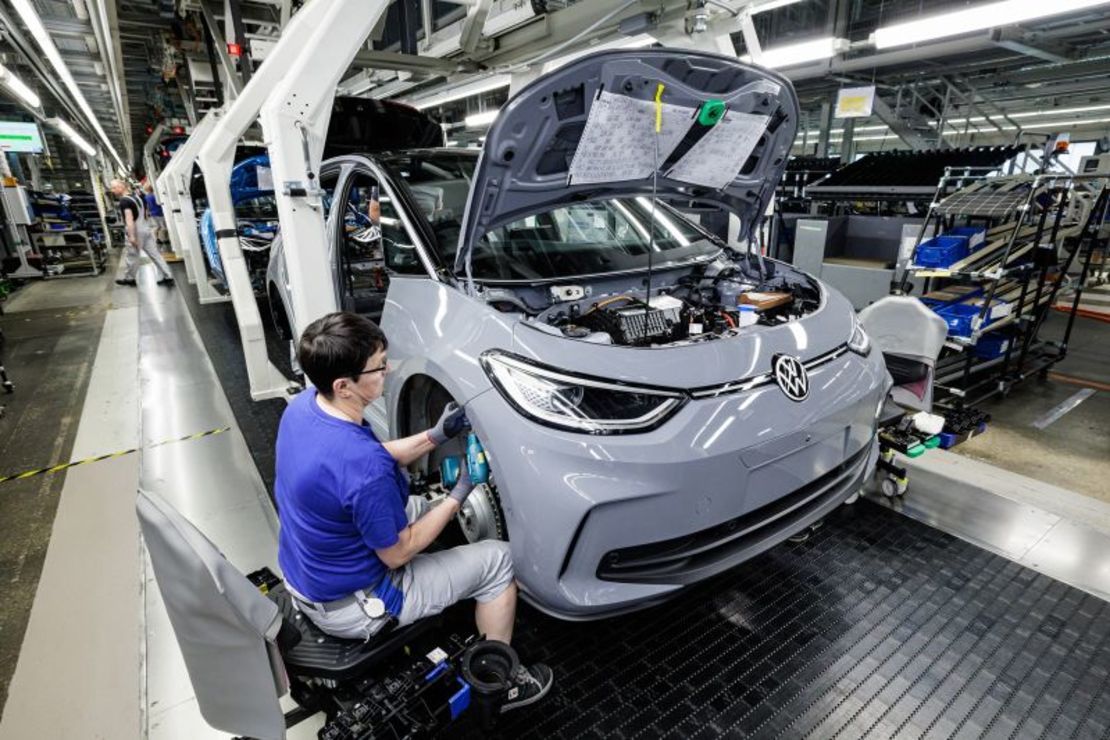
(19, 136)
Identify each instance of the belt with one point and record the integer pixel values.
(327, 606)
(356, 598)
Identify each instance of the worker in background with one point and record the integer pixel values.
(154, 209)
(138, 235)
(352, 540)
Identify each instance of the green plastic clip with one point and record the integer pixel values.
(932, 442)
(712, 111)
(916, 451)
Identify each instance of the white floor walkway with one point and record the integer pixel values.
(78, 670)
(99, 659)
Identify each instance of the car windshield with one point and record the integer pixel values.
(579, 239)
(261, 207)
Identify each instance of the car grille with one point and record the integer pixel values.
(701, 554)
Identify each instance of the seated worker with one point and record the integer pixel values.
(352, 540)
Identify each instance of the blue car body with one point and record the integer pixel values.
(255, 235)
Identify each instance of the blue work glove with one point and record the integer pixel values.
(463, 487)
(452, 423)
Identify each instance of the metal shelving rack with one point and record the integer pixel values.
(68, 236)
(68, 254)
(1029, 218)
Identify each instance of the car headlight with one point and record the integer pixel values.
(860, 343)
(579, 404)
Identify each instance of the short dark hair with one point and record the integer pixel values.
(338, 346)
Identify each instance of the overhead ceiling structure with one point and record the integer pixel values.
(978, 77)
(981, 83)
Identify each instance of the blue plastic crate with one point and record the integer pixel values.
(991, 346)
(941, 251)
(949, 440)
(959, 316)
(976, 236)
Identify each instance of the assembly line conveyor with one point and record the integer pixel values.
(876, 626)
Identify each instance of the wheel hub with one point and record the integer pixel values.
(478, 516)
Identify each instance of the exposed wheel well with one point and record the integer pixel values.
(421, 402)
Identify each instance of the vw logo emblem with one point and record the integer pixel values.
(791, 376)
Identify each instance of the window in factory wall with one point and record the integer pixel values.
(375, 245)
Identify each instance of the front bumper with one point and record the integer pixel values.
(600, 525)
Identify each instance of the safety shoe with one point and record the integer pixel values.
(125, 281)
(166, 281)
(529, 686)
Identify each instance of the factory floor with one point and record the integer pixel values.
(53, 331)
(85, 648)
(1073, 451)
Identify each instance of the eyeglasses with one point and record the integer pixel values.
(382, 369)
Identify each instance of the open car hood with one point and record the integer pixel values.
(588, 132)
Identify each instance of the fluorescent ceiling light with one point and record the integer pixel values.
(19, 88)
(73, 136)
(858, 129)
(978, 18)
(42, 37)
(772, 5)
(864, 138)
(1065, 124)
(1033, 114)
(873, 138)
(465, 90)
(632, 42)
(793, 54)
(481, 119)
(500, 81)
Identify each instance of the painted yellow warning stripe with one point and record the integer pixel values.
(99, 458)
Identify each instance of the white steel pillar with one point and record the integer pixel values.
(295, 118)
(148, 153)
(174, 185)
(315, 49)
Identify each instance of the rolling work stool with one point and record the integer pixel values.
(243, 650)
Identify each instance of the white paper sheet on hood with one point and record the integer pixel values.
(619, 140)
(715, 160)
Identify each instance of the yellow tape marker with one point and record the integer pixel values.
(659, 108)
(65, 466)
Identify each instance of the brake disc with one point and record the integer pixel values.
(480, 517)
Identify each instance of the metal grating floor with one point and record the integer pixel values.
(878, 626)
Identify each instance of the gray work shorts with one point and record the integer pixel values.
(430, 582)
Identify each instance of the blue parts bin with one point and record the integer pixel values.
(950, 247)
(941, 251)
(976, 235)
(949, 440)
(991, 346)
(959, 316)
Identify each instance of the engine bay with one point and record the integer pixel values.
(696, 303)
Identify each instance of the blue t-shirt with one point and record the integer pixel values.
(340, 496)
(152, 206)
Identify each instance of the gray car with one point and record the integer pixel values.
(638, 442)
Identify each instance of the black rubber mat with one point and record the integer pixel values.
(877, 626)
